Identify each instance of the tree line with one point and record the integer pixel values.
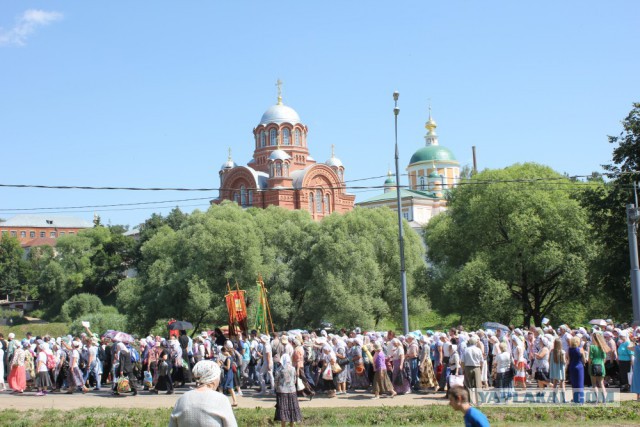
(516, 245)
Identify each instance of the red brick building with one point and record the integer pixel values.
(33, 230)
(282, 172)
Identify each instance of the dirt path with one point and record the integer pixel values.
(103, 398)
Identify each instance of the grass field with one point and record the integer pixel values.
(53, 329)
(627, 414)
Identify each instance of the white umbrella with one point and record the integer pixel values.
(598, 322)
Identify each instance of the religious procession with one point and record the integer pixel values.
(304, 364)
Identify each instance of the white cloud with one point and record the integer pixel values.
(26, 25)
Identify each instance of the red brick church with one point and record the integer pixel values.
(282, 173)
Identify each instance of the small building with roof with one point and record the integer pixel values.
(37, 230)
(282, 171)
(432, 172)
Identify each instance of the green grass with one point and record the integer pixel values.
(53, 329)
(627, 414)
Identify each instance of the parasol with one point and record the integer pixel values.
(495, 325)
(180, 325)
(119, 336)
(598, 322)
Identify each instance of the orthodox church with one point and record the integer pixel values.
(282, 172)
(433, 170)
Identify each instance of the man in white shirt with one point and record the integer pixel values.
(472, 362)
(267, 365)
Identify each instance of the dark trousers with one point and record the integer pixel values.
(624, 366)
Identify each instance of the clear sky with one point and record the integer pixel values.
(151, 94)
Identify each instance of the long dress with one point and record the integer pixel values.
(576, 374)
(359, 379)
(18, 378)
(635, 383)
(399, 378)
(427, 376)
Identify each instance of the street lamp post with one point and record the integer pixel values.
(403, 272)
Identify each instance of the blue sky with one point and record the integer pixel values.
(151, 94)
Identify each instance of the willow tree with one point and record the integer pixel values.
(513, 244)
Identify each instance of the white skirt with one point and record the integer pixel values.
(485, 372)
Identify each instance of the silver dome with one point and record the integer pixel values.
(229, 164)
(334, 162)
(279, 155)
(278, 114)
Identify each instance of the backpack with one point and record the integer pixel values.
(51, 362)
(83, 362)
(135, 356)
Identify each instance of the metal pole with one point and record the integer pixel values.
(632, 222)
(403, 272)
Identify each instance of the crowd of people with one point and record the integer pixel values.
(300, 364)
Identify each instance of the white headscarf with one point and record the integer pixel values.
(206, 372)
(285, 360)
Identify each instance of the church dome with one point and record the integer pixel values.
(432, 153)
(229, 164)
(334, 162)
(279, 114)
(279, 155)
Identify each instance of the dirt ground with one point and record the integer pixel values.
(144, 399)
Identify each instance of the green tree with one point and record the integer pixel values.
(509, 251)
(11, 266)
(606, 204)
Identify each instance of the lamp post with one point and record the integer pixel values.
(633, 218)
(403, 272)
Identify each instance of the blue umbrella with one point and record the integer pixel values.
(495, 326)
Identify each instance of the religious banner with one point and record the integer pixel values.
(263, 313)
(237, 310)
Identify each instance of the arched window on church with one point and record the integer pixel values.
(278, 169)
(319, 201)
(263, 139)
(422, 185)
(286, 137)
(327, 206)
(286, 169)
(297, 137)
(273, 137)
(243, 195)
(272, 170)
(236, 197)
(311, 202)
(250, 197)
(341, 174)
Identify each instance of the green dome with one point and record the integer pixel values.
(390, 181)
(432, 153)
(434, 174)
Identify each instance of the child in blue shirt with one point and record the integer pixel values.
(459, 401)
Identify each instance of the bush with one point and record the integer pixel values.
(100, 322)
(79, 305)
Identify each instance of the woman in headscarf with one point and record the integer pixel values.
(287, 407)
(518, 353)
(18, 377)
(427, 376)
(340, 348)
(359, 379)
(29, 365)
(399, 379)
(4, 386)
(297, 361)
(325, 362)
(204, 406)
(381, 382)
(227, 364)
(125, 367)
(541, 363)
(43, 380)
(164, 381)
(75, 378)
